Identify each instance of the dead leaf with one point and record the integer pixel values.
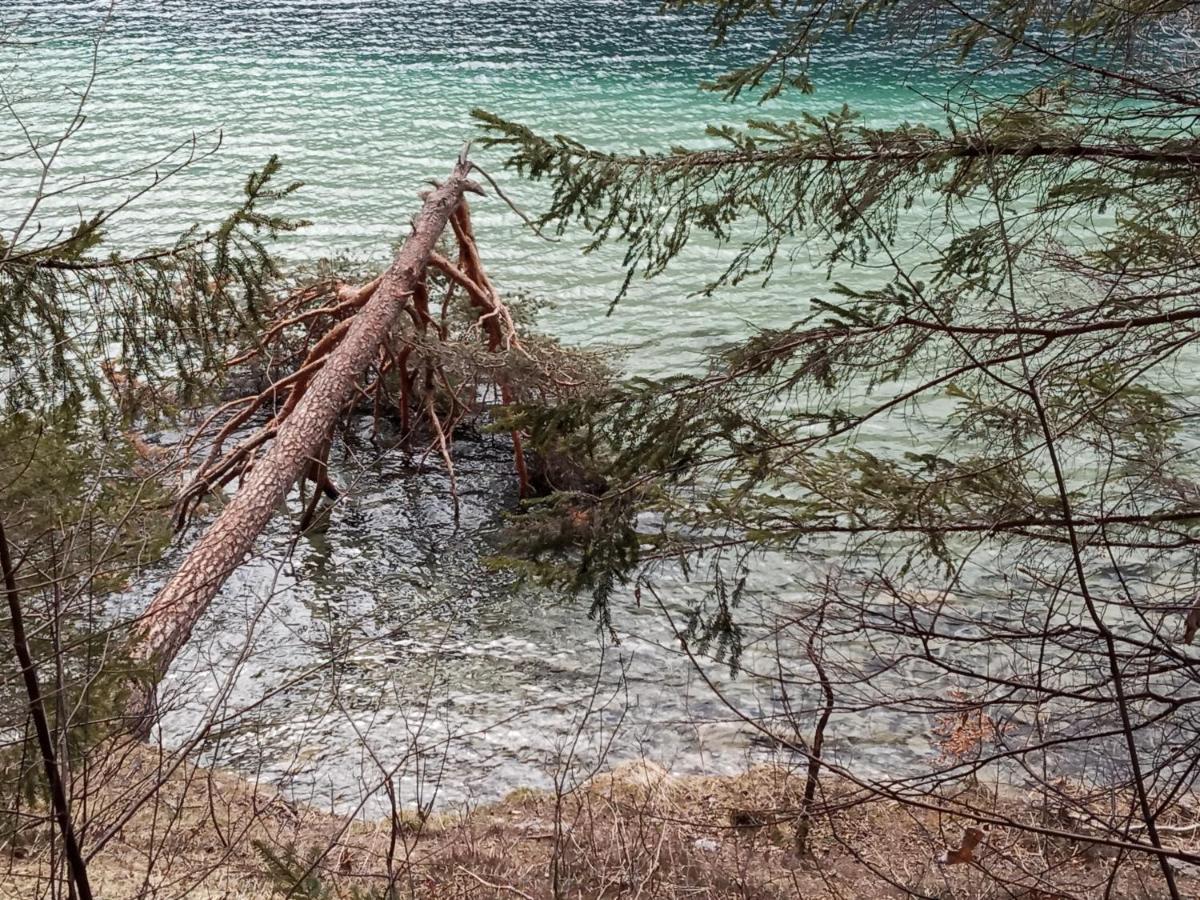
(748, 818)
(1192, 623)
(143, 448)
(965, 853)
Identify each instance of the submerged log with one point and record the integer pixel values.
(297, 445)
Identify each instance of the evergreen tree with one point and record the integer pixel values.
(96, 338)
(1016, 567)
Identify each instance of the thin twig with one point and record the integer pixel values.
(37, 709)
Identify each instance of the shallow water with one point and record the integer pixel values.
(386, 645)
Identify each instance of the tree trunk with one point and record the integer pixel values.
(167, 623)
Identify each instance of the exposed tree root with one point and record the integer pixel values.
(398, 385)
(333, 350)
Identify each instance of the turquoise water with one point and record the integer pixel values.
(460, 685)
(365, 100)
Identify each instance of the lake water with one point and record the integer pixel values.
(385, 645)
(366, 100)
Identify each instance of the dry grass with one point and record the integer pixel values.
(194, 833)
(632, 833)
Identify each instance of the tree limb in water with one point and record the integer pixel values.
(300, 437)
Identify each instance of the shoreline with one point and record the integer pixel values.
(210, 834)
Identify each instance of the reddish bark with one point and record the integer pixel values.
(299, 445)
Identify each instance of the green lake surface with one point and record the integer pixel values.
(385, 647)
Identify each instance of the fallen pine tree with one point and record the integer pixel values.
(333, 350)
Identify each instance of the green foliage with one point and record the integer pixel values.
(93, 339)
(1035, 262)
(298, 875)
(293, 875)
(716, 632)
(82, 520)
(69, 311)
(61, 481)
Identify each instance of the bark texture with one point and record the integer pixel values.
(167, 623)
